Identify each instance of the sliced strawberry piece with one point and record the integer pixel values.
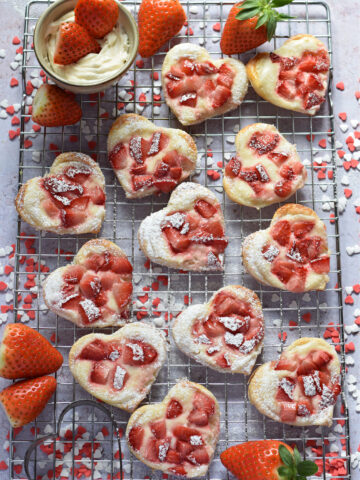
(178, 470)
(73, 42)
(205, 68)
(287, 172)
(199, 418)
(220, 96)
(158, 429)
(233, 168)
(137, 149)
(320, 358)
(78, 174)
(174, 409)
(175, 173)
(185, 433)
(97, 350)
(288, 411)
(138, 170)
(173, 457)
(307, 366)
(227, 305)
(100, 373)
(142, 181)
(172, 158)
(226, 76)
(281, 232)
(264, 142)
(278, 157)
(175, 74)
(312, 100)
(286, 364)
(72, 217)
(50, 208)
(176, 88)
(309, 248)
(72, 303)
(283, 188)
(120, 265)
(97, 195)
(282, 394)
(73, 274)
(302, 228)
(162, 170)
(137, 353)
(136, 437)
(204, 402)
(199, 457)
(165, 185)
(304, 408)
(184, 448)
(95, 262)
(283, 269)
(213, 328)
(205, 209)
(177, 241)
(90, 285)
(108, 279)
(297, 281)
(189, 99)
(222, 361)
(118, 156)
(187, 67)
(157, 142)
(207, 88)
(80, 203)
(122, 293)
(321, 265)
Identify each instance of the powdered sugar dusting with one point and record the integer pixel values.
(135, 149)
(288, 387)
(138, 352)
(155, 144)
(271, 253)
(91, 310)
(235, 340)
(119, 377)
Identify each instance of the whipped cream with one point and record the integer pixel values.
(94, 67)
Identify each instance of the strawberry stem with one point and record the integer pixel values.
(294, 467)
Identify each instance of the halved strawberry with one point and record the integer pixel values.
(52, 107)
(174, 409)
(100, 373)
(118, 156)
(73, 42)
(220, 96)
(136, 437)
(158, 428)
(99, 17)
(205, 209)
(321, 265)
(177, 241)
(281, 232)
(122, 292)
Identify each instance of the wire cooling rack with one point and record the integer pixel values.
(139, 91)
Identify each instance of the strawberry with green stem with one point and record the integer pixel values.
(251, 23)
(266, 460)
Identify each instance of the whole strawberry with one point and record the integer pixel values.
(25, 353)
(24, 401)
(266, 460)
(73, 42)
(97, 16)
(52, 107)
(251, 23)
(158, 22)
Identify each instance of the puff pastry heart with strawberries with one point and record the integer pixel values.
(301, 387)
(196, 87)
(295, 76)
(70, 199)
(119, 369)
(95, 290)
(292, 254)
(179, 435)
(226, 333)
(266, 168)
(147, 158)
(189, 233)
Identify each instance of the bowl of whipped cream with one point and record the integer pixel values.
(95, 71)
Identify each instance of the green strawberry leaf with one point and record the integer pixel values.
(271, 27)
(280, 3)
(284, 471)
(262, 20)
(300, 477)
(297, 456)
(246, 14)
(286, 456)
(306, 468)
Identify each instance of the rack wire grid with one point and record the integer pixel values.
(240, 421)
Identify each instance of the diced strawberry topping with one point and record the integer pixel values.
(175, 173)
(213, 328)
(173, 457)
(264, 142)
(302, 228)
(184, 448)
(174, 409)
(205, 209)
(138, 353)
(278, 157)
(142, 181)
(320, 358)
(96, 350)
(136, 437)
(304, 408)
(73, 274)
(187, 67)
(122, 292)
(177, 241)
(50, 208)
(185, 433)
(118, 156)
(100, 373)
(281, 232)
(96, 194)
(283, 188)
(283, 269)
(120, 265)
(165, 185)
(220, 96)
(158, 429)
(288, 411)
(233, 168)
(176, 88)
(198, 457)
(90, 285)
(189, 99)
(286, 364)
(321, 265)
(205, 68)
(72, 217)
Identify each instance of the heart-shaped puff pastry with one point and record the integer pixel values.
(179, 435)
(226, 333)
(119, 369)
(266, 168)
(301, 387)
(147, 158)
(95, 290)
(295, 76)
(189, 233)
(292, 254)
(70, 199)
(197, 87)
